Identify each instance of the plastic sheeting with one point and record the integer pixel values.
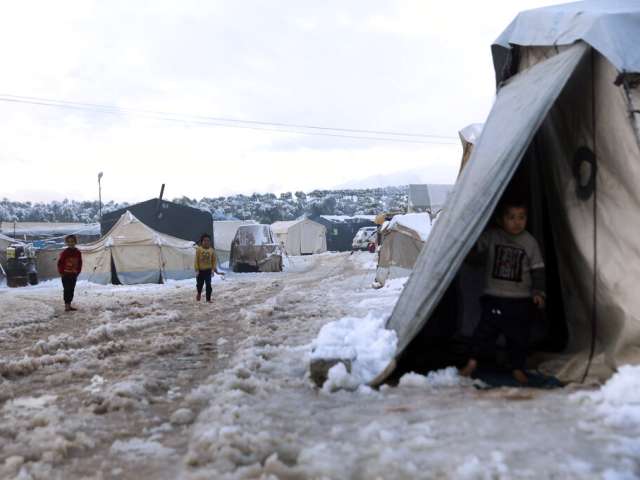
(521, 106)
(611, 27)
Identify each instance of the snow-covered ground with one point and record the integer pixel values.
(143, 382)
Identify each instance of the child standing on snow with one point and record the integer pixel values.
(206, 264)
(69, 267)
(514, 283)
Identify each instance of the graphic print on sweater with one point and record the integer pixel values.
(507, 263)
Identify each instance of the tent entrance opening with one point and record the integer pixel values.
(445, 339)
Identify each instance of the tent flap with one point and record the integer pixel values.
(520, 108)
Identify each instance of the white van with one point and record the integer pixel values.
(363, 238)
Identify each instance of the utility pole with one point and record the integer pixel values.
(100, 195)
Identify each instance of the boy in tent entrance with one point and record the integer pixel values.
(69, 267)
(206, 264)
(514, 285)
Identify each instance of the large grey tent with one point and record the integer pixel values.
(565, 129)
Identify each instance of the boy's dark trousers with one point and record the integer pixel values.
(68, 286)
(510, 317)
(204, 276)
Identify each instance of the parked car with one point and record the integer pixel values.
(254, 249)
(364, 237)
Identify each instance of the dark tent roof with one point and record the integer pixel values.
(171, 218)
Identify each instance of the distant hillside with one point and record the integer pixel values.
(264, 208)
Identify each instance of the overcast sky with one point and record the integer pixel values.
(421, 67)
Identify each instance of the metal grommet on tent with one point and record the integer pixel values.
(584, 171)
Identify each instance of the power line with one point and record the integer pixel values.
(235, 123)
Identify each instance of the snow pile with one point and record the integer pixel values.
(363, 341)
(140, 449)
(448, 377)
(617, 403)
(21, 316)
(28, 364)
(418, 222)
(475, 469)
(616, 406)
(348, 218)
(365, 260)
(39, 434)
(128, 394)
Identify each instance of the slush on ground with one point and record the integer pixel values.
(144, 382)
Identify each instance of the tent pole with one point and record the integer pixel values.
(594, 287)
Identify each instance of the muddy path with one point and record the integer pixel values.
(75, 384)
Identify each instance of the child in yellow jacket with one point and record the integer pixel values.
(206, 264)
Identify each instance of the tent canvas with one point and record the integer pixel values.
(135, 253)
(469, 136)
(301, 237)
(402, 240)
(553, 103)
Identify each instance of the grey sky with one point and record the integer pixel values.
(410, 66)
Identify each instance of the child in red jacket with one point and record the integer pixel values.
(69, 267)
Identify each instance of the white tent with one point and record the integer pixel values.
(138, 254)
(402, 240)
(565, 129)
(224, 232)
(301, 237)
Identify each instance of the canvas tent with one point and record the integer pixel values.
(132, 253)
(224, 232)
(301, 237)
(469, 136)
(564, 128)
(402, 240)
